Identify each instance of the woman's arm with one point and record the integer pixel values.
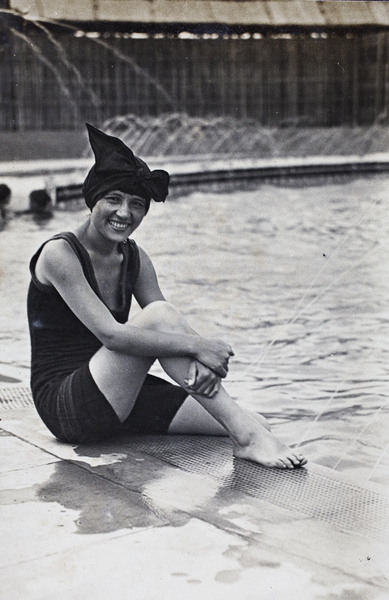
(146, 288)
(201, 379)
(59, 266)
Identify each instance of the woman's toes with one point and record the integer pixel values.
(294, 460)
(298, 460)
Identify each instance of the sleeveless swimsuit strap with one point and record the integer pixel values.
(82, 256)
(129, 272)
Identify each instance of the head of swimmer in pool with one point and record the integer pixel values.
(118, 176)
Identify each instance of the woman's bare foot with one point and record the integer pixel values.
(259, 445)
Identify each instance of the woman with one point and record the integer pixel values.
(90, 363)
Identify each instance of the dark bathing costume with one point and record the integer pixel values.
(64, 392)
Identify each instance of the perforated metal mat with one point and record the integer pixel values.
(315, 495)
(15, 398)
(324, 495)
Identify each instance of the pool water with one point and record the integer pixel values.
(296, 278)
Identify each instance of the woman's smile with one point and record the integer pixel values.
(118, 213)
(118, 225)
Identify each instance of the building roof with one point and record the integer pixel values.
(304, 13)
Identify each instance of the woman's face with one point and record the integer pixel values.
(118, 214)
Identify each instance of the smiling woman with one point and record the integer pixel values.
(90, 361)
(118, 213)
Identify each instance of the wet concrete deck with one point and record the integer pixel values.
(158, 517)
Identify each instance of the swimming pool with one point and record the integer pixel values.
(295, 277)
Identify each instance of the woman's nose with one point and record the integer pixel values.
(124, 210)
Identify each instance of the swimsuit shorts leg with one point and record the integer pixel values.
(83, 415)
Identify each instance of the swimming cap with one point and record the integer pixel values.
(117, 168)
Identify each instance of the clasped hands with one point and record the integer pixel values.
(202, 380)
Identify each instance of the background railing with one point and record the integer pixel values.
(51, 79)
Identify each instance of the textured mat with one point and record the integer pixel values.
(316, 493)
(324, 496)
(15, 398)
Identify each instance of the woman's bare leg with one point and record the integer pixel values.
(192, 419)
(120, 378)
(252, 441)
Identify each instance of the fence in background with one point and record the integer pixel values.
(60, 80)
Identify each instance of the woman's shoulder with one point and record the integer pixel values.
(52, 244)
(142, 257)
(59, 250)
(140, 251)
(131, 248)
(56, 246)
(59, 239)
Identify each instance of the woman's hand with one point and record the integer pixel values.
(214, 354)
(202, 380)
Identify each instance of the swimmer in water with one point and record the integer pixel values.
(90, 358)
(5, 197)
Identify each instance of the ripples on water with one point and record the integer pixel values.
(296, 278)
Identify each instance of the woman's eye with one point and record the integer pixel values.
(139, 204)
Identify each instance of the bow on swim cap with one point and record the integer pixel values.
(117, 168)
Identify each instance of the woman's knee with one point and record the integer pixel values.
(161, 316)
